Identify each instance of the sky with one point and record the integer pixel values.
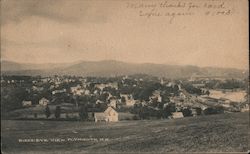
(57, 31)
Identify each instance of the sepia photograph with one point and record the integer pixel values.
(124, 76)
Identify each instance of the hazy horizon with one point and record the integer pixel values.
(51, 31)
(109, 60)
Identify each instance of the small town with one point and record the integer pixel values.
(112, 99)
(124, 76)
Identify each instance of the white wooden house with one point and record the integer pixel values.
(113, 102)
(129, 100)
(156, 95)
(245, 107)
(26, 103)
(100, 116)
(43, 102)
(109, 115)
(58, 91)
(77, 90)
(126, 96)
(87, 92)
(176, 115)
(99, 102)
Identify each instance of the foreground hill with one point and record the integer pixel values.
(115, 68)
(215, 133)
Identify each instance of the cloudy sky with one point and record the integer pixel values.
(51, 31)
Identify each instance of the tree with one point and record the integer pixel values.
(192, 90)
(143, 113)
(186, 112)
(198, 110)
(207, 92)
(213, 110)
(176, 90)
(47, 111)
(123, 100)
(168, 110)
(83, 113)
(154, 102)
(58, 112)
(160, 105)
(35, 115)
(103, 97)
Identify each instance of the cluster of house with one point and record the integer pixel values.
(182, 101)
(11, 81)
(110, 84)
(109, 115)
(42, 102)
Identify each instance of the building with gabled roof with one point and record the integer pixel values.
(109, 115)
(176, 115)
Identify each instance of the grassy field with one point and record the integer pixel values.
(215, 133)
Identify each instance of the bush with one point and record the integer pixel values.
(186, 112)
(213, 110)
(198, 111)
(135, 117)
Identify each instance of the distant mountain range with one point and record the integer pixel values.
(116, 68)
